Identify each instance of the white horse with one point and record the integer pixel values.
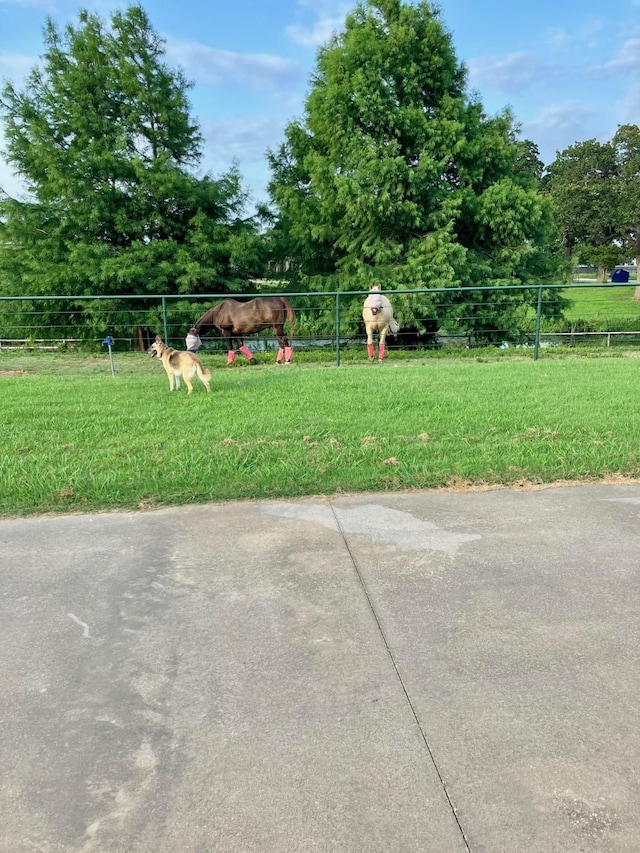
(377, 314)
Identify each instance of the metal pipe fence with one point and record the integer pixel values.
(466, 317)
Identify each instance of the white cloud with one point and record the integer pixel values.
(557, 37)
(511, 73)
(626, 60)
(319, 33)
(16, 66)
(623, 69)
(590, 33)
(562, 124)
(257, 72)
(318, 21)
(43, 4)
(245, 140)
(327, 8)
(630, 105)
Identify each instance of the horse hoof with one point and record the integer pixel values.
(252, 361)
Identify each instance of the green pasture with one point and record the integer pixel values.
(602, 303)
(77, 439)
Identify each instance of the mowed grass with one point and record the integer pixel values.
(78, 439)
(602, 303)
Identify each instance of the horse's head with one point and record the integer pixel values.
(207, 322)
(374, 300)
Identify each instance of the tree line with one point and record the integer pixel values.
(394, 174)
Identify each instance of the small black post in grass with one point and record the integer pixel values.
(108, 342)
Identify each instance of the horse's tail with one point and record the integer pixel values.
(291, 314)
(394, 328)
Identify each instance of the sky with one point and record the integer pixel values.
(568, 69)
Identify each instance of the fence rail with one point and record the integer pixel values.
(131, 319)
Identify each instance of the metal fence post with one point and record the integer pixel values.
(536, 348)
(165, 320)
(338, 329)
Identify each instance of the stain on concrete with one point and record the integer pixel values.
(380, 524)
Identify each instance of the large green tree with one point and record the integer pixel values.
(102, 136)
(583, 184)
(626, 144)
(396, 174)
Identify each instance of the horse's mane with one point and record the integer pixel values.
(208, 319)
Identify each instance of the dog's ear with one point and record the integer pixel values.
(158, 339)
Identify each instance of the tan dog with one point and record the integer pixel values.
(178, 364)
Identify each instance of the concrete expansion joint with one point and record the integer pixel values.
(403, 686)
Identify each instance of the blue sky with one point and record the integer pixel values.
(569, 69)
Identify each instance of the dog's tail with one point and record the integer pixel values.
(202, 372)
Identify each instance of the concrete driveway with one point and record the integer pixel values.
(427, 672)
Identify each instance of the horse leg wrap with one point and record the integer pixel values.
(280, 356)
(246, 352)
(381, 352)
(231, 356)
(288, 353)
(370, 350)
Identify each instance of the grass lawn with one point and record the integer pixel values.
(77, 439)
(602, 303)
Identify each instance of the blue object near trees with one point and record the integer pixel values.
(108, 342)
(620, 275)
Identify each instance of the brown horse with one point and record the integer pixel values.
(235, 319)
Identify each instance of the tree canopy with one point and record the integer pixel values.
(595, 190)
(396, 174)
(626, 144)
(102, 136)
